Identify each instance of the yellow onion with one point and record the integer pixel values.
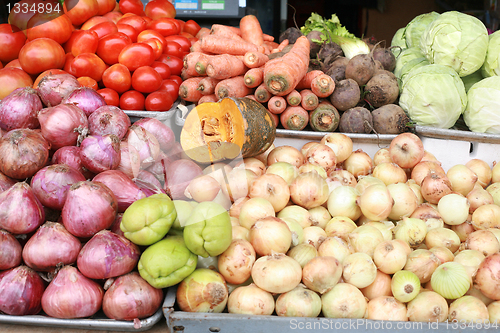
(494, 311)
(416, 190)
(462, 178)
(271, 187)
(495, 232)
(285, 170)
(423, 263)
(434, 187)
(390, 256)
(429, 215)
(240, 232)
(453, 208)
(298, 213)
(250, 300)
(380, 287)
(321, 274)
(309, 190)
(481, 169)
(344, 301)
(276, 273)
(442, 237)
(263, 156)
(442, 253)
(218, 171)
(340, 143)
(253, 164)
(385, 227)
(386, 308)
(474, 291)
(235, 209)
(298, 302)
(295, 229)
(471, 260)
(486, 216)
(376, 202)
(405, 286)
(286, 153)
(495, 172)
(335, 247)
(405, 201)
(429, 157)
(478, 197)
(488, 276)
(340, 226)
(308, 145)
(310, 167)
(411, 230)
(319, 216)
(235, 264)
(366, 181)
(303, 253)
(234, 221)
(425, 168)
(270, 235)
(321, 155)
(254, 209)
(406, 149)
(468, 309)
(314, 235)
(382, 156)
(390, 173)
(342, 202)
(463, 230)
(451, 280)
(359, 270)
(365, 238)
(238, 183)
(202, 188)
(482, 240)
(359, 163)
(405, 245)
(428, 306)
(494, 190)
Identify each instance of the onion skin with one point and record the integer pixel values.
(235, 264)
(130, 297)
(109, 119)
(10, 251)
(146, 144)
(161, 131)
(86, 98)
(434, 187)
(468, 309)
(299, 302)
(70, 155)
(321, 274)
(20, 210)
(344, 301)
(130, 161)
(124, 189)
(487, 278)
(21, 290)
(386, 308)
(22, 153)
(100, 153)
(250, 300)
(428, 306)
(5, 182)
(107, 255)
(20, 109)
(52, 88)
(72, 295)
(276, 273)
(50, 246)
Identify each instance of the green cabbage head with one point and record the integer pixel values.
(416, 28)
(457, 40)
(405, 57)
(482, 113)
(491, 65)
(433, 95)
(398, 40)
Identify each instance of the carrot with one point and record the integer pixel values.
(190, 61)
(225, 66)
(282, 45)
(276, 104)
(206, 86)
(232, 87)
(325, 118)
(251, 96)
(185, 75)
(293, 98)
(251, 31)
(188, 90)
(225, 31)
(276, 119)
(202, 32)
(208, 99)
(253, 77)
(281, 75)
(262, 94)
(202, 63)
(255, 59)
(195, 47)
(221, 45)
(294, 118)
(267, 38)
(309, 100)
(323, 85)
(271, 45)
(306, 81)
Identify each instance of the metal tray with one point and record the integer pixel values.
(98, 322)
(160, 115)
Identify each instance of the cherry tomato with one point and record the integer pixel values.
(82, 41)
(170, 86)
(80, 11)
(165, 26)
(41, 54)
(48, 71)
(132, 6)
(12, 39)
(191, 27)
(104, 28)
(162, 69)
(118, 78)
(156, 9)
(159, 101)
(110, 46)
(156, 45)
(110, 96)
(132, 100)
(86, 64)
(128, 30)
(146, 80)
(11, 79)
(95, 20)
(181, 40)
(136, 21)
(105, 6)
(89, 82)
(149, 33)
(136, 55)
(175, 63)
(177, 79)
(173, 48)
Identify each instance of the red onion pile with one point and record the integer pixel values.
(20, 109)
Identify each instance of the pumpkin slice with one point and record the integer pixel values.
(226, 129)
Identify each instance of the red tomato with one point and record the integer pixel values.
(165, 26)
(136, 21)
(173, 48)
(177, 79)
(175, 63)
(191, 27)
(89, 82)
(156, 45)
(43, 74)
(56, 26)
(132, 100)
(128, 30)
(93, 21)
(67, 58)
(80, 11)
(113, 16)
(20, 14)
(162, 69)
(171, 86)
(118, 78)
(105, 6)
(110, 96)
(86, 64)
(110, 46)
(41, 54)
(156, 9)
(132, 6)
(181, 40)
(146, 80)
(104, 28)
(82, 41)
(13, 78)
(147, 19)
(14, 64)
(159, 101)
(136, 55)
(149, 33)
(12, 39)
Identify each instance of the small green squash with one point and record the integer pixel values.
(226, 129)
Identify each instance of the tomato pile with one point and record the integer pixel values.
(130, 53)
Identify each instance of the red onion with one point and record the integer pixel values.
(107, 255)
(109, 119)
(21, 290)
(130, 161)
(22, 153)
(100, 153)
(148, 183)
(124, 189)
(20, 109)
(145, 142)
(63, 125)
(20, 210)
(176, 152)
(10, 251)
(161, 131)
(89, 208)
(115, 227)
(86, 99)
(50, 246)
(131, 297)
(159, 167)
(70, 155)
(52, 88)
(5, 182)
(179, 175)
(487, 278)
(72, 295)
(51, 184)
